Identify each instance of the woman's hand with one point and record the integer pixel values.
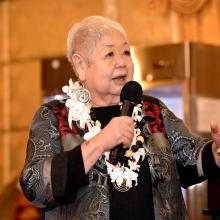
(120, 130)
(215, 132)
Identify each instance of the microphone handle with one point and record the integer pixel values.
(127, 108)
(117, 153)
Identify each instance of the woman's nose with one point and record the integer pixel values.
(120, 61)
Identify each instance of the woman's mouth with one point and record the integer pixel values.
(120, 79)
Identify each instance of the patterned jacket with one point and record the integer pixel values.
(176, 158)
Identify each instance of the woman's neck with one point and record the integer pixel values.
(107, 101)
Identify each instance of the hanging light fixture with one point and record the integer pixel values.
(187, 6)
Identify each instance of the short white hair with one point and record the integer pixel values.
(83, 36)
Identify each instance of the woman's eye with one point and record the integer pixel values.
(110, 54)
(127, 52)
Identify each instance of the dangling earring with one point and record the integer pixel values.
(82, 94)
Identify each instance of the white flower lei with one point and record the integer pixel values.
(80, 112)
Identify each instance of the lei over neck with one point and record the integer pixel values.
(124, 174)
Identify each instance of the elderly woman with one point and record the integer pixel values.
(69, 172)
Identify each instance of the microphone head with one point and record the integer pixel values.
(132, 91)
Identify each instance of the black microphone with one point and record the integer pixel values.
(131, 95)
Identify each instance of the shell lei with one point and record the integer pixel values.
(79, 111)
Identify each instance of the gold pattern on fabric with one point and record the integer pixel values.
(71, 141)
(47, 179)
(160, 140)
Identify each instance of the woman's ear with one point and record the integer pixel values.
(80, 66)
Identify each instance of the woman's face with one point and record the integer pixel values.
(109, 69)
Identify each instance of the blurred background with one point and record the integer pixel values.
(176, 51)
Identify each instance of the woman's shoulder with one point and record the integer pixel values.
(60, 103)
(150, 99)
